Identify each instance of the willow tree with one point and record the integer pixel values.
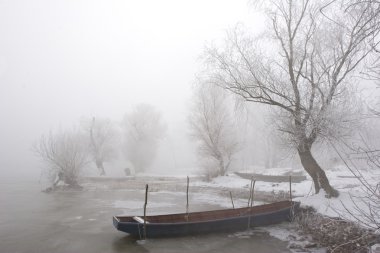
(65, 154)
(301, 66)
(143, 130)
(214, 130)
(102, 141)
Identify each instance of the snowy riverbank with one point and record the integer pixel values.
(348, 223)
(350, 188)
(346, 210)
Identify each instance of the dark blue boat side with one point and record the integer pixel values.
(207, 222)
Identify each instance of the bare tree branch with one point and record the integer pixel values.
(303, 67)
(213, 129)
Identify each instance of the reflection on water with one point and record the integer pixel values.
(244, 242)
(81, 221)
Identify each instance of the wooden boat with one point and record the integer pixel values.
(270, 178)
(226, 220)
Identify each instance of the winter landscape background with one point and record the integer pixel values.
(98, 99)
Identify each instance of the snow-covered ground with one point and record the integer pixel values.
(234, 181)
(349, 205)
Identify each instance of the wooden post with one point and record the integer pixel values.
(250, 192)
(187, 200)
(253, 191)
(290, 186)
(291, 199)
(232, 201)
(146, 201)
(250, 201)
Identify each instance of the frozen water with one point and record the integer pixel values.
(81, 221)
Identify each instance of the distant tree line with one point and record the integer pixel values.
(98, 141)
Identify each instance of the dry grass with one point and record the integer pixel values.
(337, 235)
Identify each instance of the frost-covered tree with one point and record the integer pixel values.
(301, 67)
(102, 137)
(65, 154)
(143, 129)
(214, 129)
(372, 70)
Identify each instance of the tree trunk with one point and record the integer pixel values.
(71, 180)
(267, 161)
(317, 174)
(268, 153)
(99, 165)
(222, 169)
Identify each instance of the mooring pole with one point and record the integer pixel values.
(250, 193)
(291, 199)
(253, 191)
(187, 200)
(232, 201)
(290, 188)
(250, 201)
(146, 201)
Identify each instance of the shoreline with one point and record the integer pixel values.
(300, 236)
(174, 184)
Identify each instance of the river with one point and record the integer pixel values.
(81, 221)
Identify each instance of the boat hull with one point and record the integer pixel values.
(272, 179)
(238, 223)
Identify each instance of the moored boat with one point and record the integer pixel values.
(272, 178)
(225, 220)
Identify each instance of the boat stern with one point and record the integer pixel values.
(116, 221)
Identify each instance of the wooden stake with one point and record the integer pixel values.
(187, 200)
(146, 202)
(291, 199)
(290, 186)
(250, 201)
(249, 196)
(232, 201)
(253, 191)
(250, 192)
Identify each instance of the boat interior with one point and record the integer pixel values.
(208, 215)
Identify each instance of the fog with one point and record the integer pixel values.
(63, 60)
(133, 109)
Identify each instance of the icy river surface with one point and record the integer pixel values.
(81, 221)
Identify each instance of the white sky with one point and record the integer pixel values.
(63, 59)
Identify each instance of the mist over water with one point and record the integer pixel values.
(63, 61)
(100, 98)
